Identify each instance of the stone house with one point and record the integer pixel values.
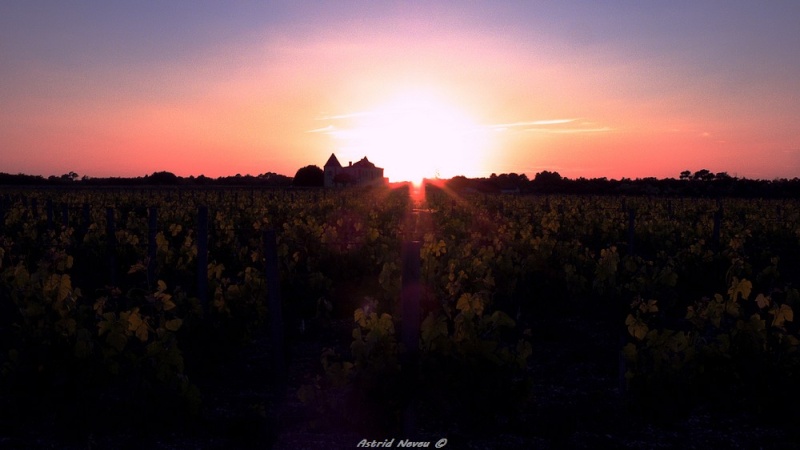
(361, 173)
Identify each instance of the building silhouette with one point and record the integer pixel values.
(361, 173)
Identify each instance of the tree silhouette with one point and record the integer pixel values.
(703, 175)
(69, 177)
(309, 176)
(162, 178)
(547, 178)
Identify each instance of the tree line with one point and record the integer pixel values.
(702, 183)
(162, 178)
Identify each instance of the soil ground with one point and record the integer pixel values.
(577, 403)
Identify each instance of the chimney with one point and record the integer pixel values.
(349, 164)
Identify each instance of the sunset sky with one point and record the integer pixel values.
(593, 89)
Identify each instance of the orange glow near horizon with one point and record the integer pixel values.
(413, 136)
(422, 91)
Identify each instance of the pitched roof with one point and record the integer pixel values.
(364, 164)
(332, 161)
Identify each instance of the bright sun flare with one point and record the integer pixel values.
(416, 136)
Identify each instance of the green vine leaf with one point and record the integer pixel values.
(105, 325)
(629, 351)
(740, 288)
(64, 287)
(782, 315)
(173, 325)
(649, 307)
(432, 330)
(524, 351)
(360, 318)
(136, 324)
(757, 323)
(636, 327)
(117, 340)
(502, 320)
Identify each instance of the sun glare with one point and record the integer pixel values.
(416, 136)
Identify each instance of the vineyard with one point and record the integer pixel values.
(251, 314)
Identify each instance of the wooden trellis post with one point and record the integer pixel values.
(65, 215)
(274, 303)
(717, 226)
(410, 296)
(49, 206)
(631, 231)
(86, 215)
(152, 230)
(202, 256)
(111, 249)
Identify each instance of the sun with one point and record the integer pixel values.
(416, 135)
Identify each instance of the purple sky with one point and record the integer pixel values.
(613, 89)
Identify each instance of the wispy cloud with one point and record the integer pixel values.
(571, 130)
(532, 123)
(347, 115)
(548, 126)
(392, 120)
(336, 132)
(328, 129)
(554, 126)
